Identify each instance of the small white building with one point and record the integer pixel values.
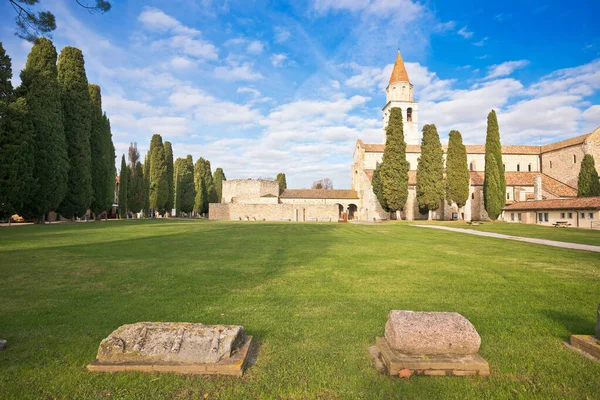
(582, 212)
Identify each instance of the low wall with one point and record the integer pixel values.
(272, 212)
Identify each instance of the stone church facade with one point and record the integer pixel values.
(539, 173)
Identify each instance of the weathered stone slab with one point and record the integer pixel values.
(174, 347)
(397, 363)
(588, 344)
(431, 333)
(2, 344)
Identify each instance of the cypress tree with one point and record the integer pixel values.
(102, 149)
(378, 187)
(159, 190)
(123, 188)
(282, 182)
(199, 186)
(146, 186)
(430, 171)
(187, 188)
(211, 192)
(178, 165)
(588, 183)
(16, 153)
(135, 187)
(494, 184)
(76, 105)
(394, 169)
(41, 90)
(218, 178)
(170, 175)
(457, 171)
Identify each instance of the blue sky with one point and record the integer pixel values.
(260, 87)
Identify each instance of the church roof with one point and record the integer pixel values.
(513, 178)
(399, 73)
(319, 194)
(582, 203)
(565, 143)
(471, 149)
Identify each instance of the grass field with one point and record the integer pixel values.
(314, 296)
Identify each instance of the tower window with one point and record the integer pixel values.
(550, 164)
(529, 167)
(518, 167)
(409, 114)
(471, 167)
(574, 159)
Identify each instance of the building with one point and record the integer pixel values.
(578, 212)
(548, 172)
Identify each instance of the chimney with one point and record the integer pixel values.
(537, 187)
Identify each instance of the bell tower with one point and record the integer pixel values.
(399, 93)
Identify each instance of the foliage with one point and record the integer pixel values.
(324, 183)
(588, 183)
(159, 190)
(430, 171)
(378, 187)
(103, 156)
(170, 174)
(30, 25)
(76, 105)
(39, 86)
(146, 186)
(123, 188)
(394, 169)
(135, 188)
(282, 182)
(218, 178)
(494, 184)
(204, 186)
(457, 171)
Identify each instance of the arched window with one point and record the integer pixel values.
(471, 167)
(504, 166)
(403, 89)
(574, 159)
(393, 91)
(409, 114)
(550, 164)
(507, 196)
(518, 167)
(529, 168)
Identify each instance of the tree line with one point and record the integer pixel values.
(160, 184)
(56, 149)
(436, 183)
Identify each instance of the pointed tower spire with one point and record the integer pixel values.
(399, 73)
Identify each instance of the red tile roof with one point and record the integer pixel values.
(471, 149)
(549, 184)
(583, 203)
(399, 73)
(565, 143)
(319, 194)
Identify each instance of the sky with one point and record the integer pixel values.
(261, 87)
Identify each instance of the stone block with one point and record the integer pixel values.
(431, 333)
(2, 344)
(587, 344)
(187, 348)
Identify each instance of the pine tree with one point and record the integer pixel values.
(41, 90)
(494, 184)
(378, 187)
(218, 178)
(76, 105)
(588, 184)
(103, 156)
(282, 182)
(146, 187)
(457, 171)
(169, 164)
(16, 153)
(394, 169)
(123, 188)
(430, 171)
(159, 190)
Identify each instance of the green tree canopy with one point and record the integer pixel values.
(282, 182)
(457, 171)
(40, 87)
(146, 186)
(494, 184)
(218, 178)
(159, 190)
(588, 183)
(77, 109)
(123, 188)
(204, 185)
(394, 169)
(430, 171)
(170, 175)
(378, 187)
(185, 192)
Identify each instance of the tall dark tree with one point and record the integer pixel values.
(103, 156)
(146, 186)
(41, 90)
(378, 187)
(31, 25)
(170, 175)
(588, 184)
(394, 169)
(123, 188)
(159, 190)
(185, 192)
(430, 171)
(457, 171)
(133, 155)
(200, 186)
(135, 184)
(77, 108)
(282, 182)
(494, 184)
(218, 178)
(16, 153)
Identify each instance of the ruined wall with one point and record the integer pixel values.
(560, 165)
(248, 190)
(273, 212)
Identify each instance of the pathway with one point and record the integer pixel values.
(565, 245)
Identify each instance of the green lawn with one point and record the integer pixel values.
(574, 235)
(314, 296)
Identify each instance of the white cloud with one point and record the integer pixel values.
(181, 63)
(281, 34)
(255, 47)
(481, 42)
(505, 69)
(198, 48)
(156, 20)
(237, 72)
(278, 59)
(464, 32)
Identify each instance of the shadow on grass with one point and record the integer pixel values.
(573, 324)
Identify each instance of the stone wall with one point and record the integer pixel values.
(248, 190)
(560, 165)
(273, 212)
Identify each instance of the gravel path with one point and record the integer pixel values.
(554, 243)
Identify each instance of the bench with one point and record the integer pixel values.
(325, 219)
(561, 224)
(311, 219)
(474, 223)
